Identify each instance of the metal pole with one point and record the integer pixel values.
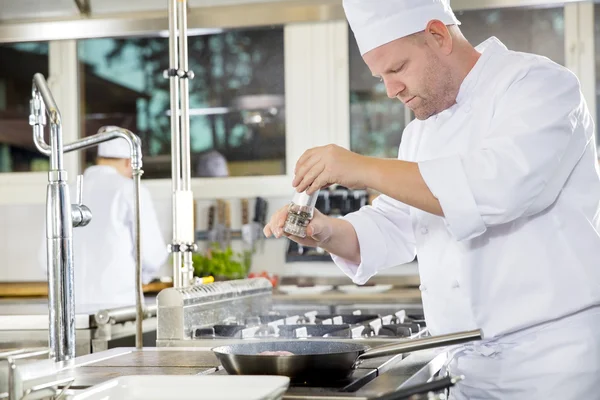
(175, 138)
(174, 98)
(139, 294)
(185, 96)
(187, 234)
(183, 243)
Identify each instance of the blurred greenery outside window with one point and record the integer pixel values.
(20, 62)
(237, 109)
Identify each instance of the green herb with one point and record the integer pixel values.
(222, 263)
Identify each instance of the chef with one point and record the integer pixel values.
(104, 250)
(496, 189)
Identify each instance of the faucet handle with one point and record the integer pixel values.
(79, 195)
(80, 214)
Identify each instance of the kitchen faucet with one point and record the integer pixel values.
(62, 216)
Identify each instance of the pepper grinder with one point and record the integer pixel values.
(300, 212)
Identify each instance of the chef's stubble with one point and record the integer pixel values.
(439, 87)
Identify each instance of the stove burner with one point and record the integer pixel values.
(234, 331)
(345, 319)
(305, 331)
(395, 330)
(312, 324)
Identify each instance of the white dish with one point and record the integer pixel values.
(364, 289)
(293, 289)
(188, 387)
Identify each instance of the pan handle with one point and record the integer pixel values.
(421, 344)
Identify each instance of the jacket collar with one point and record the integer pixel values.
(489, 47)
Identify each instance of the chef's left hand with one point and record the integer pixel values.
(322, 166)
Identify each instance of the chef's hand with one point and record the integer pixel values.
(322, 166)
(318, 231)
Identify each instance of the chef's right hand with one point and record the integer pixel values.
(318, 231)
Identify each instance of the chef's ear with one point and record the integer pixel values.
(438, 37)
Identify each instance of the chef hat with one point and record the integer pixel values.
(377, 22)
(212, 164)
(115, 148)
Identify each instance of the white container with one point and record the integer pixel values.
(188, 387)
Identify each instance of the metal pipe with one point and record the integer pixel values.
(46, 103)
(174, 98)
(188, 268)
(185, 96)
(122, 314)
(183, 243)
(56, 147)
(139, 294)
(175, 137)
(104, 134)
(41, 87)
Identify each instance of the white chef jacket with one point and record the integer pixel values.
(104, 250)
(513, 164)
(554, 360)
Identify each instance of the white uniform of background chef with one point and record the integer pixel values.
(104, 250)
(496, 189)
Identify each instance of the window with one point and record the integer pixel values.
(19, 63)
(237, 110)
(376, 121)
(532, 30)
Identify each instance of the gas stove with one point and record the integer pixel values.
(232, 312)
(244, 309)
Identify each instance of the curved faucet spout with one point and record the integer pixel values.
(104, 134)
(135, 144)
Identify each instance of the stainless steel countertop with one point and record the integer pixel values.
(99, 367)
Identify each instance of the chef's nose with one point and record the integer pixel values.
(394, 88)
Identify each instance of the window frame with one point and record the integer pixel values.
(30, 187)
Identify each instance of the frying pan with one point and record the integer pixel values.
(314, 359)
